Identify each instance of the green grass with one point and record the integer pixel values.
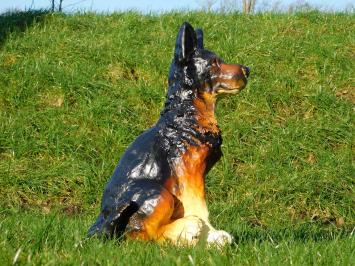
(76, 90)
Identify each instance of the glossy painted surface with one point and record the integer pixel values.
(158, 184)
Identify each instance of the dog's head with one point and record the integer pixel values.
(201, 69)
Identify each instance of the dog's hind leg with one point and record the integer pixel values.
(148, 211)
(124, 209)
(155, 211)
(155, 221)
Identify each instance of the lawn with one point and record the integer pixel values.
(76, 90)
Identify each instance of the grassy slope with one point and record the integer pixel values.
(76, 90)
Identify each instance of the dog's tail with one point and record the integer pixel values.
(113, 225)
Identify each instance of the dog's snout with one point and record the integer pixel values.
(246, 71)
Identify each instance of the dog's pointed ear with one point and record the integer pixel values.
(186, 42)
(199, 35)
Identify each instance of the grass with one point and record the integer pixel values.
(76, 90)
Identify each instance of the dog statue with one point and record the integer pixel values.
(157, 191)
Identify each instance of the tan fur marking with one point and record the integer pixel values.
(205, 104)
(191, 181)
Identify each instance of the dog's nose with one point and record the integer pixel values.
(246, 71)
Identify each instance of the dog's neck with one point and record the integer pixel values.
(205, 105)
(191, 115)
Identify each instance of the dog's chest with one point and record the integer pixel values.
(192, 164)
(188, 181)
(189, 172)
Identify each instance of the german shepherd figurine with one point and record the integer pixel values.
(157, 191)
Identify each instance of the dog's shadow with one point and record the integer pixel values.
(19, 21)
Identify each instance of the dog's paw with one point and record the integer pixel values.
(192, 230)
(184, 231)
(219, 238)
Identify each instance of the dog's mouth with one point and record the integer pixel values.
(222, 90)
(233, 87)
(229, 91)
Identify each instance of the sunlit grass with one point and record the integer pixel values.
(76, 90)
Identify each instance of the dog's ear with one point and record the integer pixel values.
(186, 42)
(199, 35)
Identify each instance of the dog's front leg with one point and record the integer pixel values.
(196, 206)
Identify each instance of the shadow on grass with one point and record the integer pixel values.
(299, 233)
(19, 21)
